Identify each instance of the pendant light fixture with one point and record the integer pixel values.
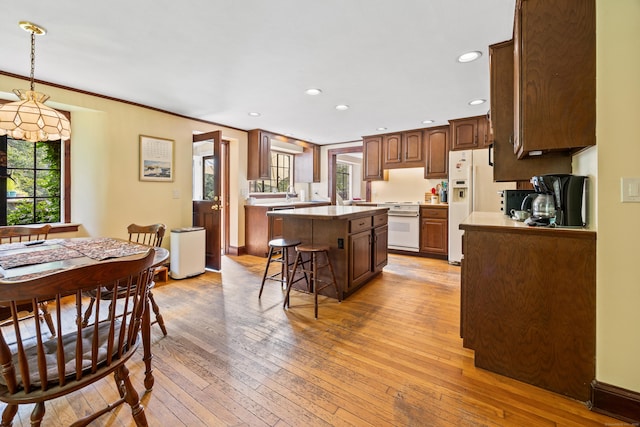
(29, 119)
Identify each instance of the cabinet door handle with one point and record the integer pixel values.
(490, 154)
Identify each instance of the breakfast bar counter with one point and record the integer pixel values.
(356, 237)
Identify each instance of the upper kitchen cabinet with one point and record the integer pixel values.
(259, 155)
(402, 150)
(554, 76)
(506, 166)
(469, 133)
(307, 164)
(372, 158)
(437, 152)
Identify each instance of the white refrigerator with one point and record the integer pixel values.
(471, 188)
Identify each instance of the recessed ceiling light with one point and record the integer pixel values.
(381, 128)
(342, 107)
(469, 56)
(313, 91)
(427, 122)
(477, 101)
(254, 114)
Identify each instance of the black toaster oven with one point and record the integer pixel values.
(512, 199)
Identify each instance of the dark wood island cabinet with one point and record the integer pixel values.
(356, 236)
(528, 302)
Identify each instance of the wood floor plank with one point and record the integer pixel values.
(389, 355)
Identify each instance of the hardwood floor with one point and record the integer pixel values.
(389, 355)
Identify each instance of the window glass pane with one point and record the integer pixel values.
(343, 180)
(23, 182)
(19, 154)
(20, 211)
(48, 183)
(209, 178)
(281, 175)
(47, 210)
(48, 155)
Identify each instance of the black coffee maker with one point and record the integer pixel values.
(568, 195)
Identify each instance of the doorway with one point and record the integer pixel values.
(210, 194)
(353, 156)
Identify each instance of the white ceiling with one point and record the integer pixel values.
(392, 61)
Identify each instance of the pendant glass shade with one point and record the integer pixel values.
(29, 119)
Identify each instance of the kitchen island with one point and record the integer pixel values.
(356, 236)
(528, 301)
(259, 228)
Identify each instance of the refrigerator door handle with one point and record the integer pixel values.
(490, 154)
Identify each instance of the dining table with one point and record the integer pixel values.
(29, 259)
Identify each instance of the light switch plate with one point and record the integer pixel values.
(630, 190)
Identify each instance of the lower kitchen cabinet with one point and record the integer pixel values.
(528, 302)
(360, 250)
(368, 249)
(380, 243)
(434, 234)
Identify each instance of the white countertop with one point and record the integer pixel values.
(328, 212)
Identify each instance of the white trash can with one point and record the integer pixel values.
(187, 252)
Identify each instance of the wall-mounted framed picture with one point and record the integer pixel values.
(156, 159)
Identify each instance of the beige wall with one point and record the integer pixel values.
(618, 111)
(106, 193)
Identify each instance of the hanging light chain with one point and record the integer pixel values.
(33, 58)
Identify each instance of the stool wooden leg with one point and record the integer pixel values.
(314, 281)
(284, 275)
(333, 276)
(266, 270)
(290, 281)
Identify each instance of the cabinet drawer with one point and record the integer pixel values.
(433, 213)
(359, 224)
(379, 220)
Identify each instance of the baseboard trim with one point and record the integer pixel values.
(236, 250)
(615, 402)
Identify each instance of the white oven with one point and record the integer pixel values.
(404, 225)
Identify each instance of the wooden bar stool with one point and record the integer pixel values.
(314, 265)
(280, 249)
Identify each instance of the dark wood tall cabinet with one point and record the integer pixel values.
(506, 166)
(259, 155)
(554, 75)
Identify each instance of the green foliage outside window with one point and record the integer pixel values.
(36, 172)
(343, 181)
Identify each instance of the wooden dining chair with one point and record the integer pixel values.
(35, 370)
(22, 233)
(16, 234)
(148, 235)
(151, 235)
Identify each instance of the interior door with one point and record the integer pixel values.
(207, 203)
